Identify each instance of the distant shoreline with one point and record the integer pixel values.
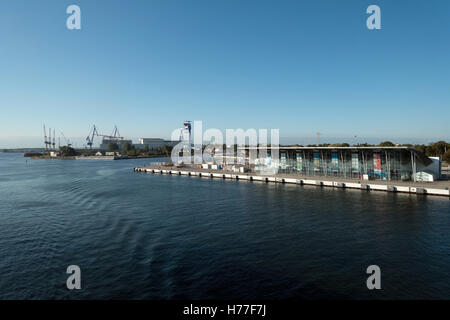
(74, 157)
(37, 157)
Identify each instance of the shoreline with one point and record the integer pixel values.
(81, 157)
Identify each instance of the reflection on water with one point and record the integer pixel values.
(142, 236)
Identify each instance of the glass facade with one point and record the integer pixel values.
(357, 163)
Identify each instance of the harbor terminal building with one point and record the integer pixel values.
(365, 163)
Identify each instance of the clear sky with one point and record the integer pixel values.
(300, 66)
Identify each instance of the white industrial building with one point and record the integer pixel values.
(153, 143)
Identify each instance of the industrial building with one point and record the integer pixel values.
(104, 145)
(154, 143)
(365, 163)
(115, 138)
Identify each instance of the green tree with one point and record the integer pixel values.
(113, 147)
(67, 151)
(421, 147)
(365, 144)
(339, 145)
(127, 147)
(163, 150)
(386, 144)
(446, 156)
(146, 149)
(437, 148)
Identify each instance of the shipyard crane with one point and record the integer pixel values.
(187, 127)
(67, 140)
(115, 134)
(54, 140)
(90, 137)
(45, 139)
(94, 132)
(49, 140)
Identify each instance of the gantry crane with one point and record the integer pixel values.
(94, 132)
(67, 140)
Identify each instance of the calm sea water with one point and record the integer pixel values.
(143, 236)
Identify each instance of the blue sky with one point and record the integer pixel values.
(300, 66)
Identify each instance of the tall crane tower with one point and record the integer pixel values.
(46, 140)
(187, 127)
(94, 132)
(115, 134)
(90, 137)
(54, 140)
(67, 140)
(49, 139)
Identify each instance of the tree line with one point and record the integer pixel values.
(433, 149)
(130, 150)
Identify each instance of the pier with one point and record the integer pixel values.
(438, 188)
(101, 157)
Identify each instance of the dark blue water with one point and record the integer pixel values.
(143, 236)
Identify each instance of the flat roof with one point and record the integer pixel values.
(158, 139)
(421, 156)
(330, 148)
